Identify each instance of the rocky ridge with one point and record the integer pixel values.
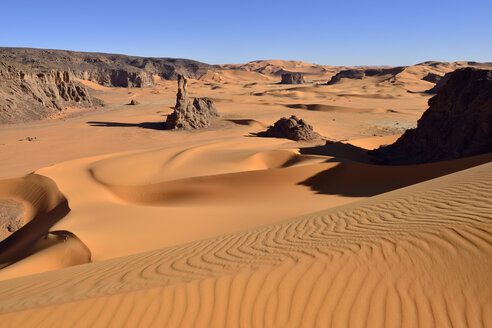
(105, 69)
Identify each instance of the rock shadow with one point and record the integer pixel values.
(143, 125)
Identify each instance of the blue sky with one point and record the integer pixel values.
(326, 32)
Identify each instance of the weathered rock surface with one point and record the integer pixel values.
(133, 102)
(30, 94)
(190, 113)
(458, 123)
(291, 128)
(292, 78)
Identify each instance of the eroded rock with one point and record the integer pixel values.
(189, 112)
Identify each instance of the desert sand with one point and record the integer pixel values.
(127, 224)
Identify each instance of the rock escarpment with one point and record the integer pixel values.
(27, 94)
(190, 113)
(105, 69)
(292, 78)
(458, 123)
(292, 128)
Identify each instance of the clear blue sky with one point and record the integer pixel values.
(350, 32)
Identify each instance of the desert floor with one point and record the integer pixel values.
(142, 226)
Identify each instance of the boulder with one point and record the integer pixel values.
(133, 102)
(190, 113)
(292, 78)
(458, 123)
(292, 128)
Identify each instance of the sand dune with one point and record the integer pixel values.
(397, 259)
(123, 223)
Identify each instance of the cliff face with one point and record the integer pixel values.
(31, 95)
(458, 123)
(105, 69)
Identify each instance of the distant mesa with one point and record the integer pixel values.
(292, 78)
(190, 113)
(458, 123)
(292, 128)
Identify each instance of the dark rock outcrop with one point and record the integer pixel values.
(190, 113)
(34, 94)
(133, 102)
(439, 84)
(458, 123)
(291, 128)
(292, 78)
(364, 72)
(433, 78)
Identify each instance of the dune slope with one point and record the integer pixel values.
(417, 256)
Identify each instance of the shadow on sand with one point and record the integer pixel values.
(143, 125)
(358, 179)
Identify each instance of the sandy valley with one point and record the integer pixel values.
(113, 220)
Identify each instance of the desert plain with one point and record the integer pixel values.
(113, 220)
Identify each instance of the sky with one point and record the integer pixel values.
(350, 32)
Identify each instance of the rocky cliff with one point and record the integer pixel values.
(30, 94)
(105, 69)
(36, 83)
(458, 123)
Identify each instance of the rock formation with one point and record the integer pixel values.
(133, 102)
(291, 128)
(361, 73)
(36, 83)
(190, 113)
(29, 94)
(432, 77)
(458, 123)
(292, 78)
